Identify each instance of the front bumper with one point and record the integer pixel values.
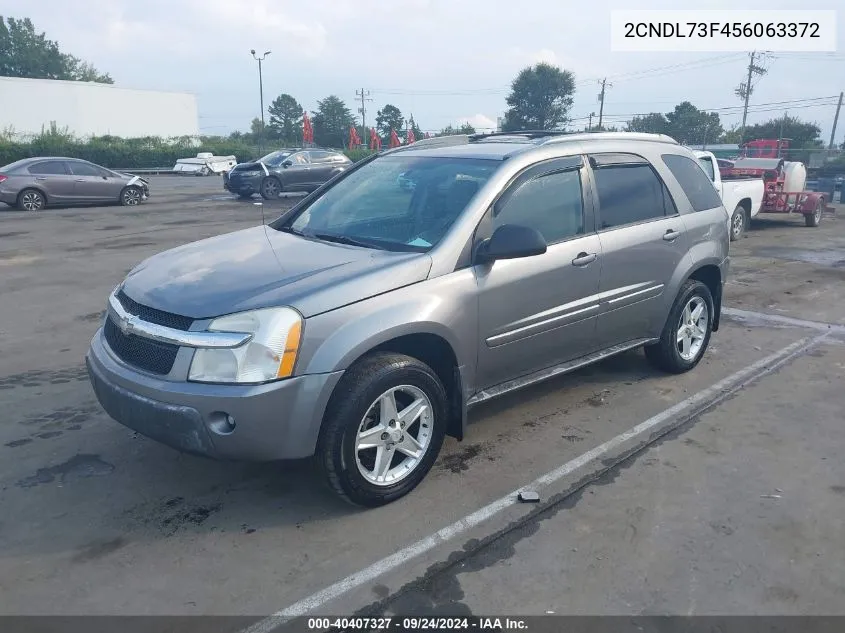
(279, 420)
(242, 185)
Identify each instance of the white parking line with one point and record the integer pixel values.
(763, 317)
(689, 407)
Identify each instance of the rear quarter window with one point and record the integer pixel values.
(697, 187)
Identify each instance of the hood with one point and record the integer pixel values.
(248, 166)
(261, 267)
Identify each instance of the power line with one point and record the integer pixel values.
(637, 74)
(807, 102)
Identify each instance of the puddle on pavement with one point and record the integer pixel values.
(77, 467)
(832, 258)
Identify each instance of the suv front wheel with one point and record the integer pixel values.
(687, 330)
(383, 429)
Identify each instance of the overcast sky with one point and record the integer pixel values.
(445, 61)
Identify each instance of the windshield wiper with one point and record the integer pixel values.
(343, 239)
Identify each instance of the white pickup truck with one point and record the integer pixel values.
(741, 197)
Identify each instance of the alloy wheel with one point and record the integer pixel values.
(394, 435)
(692, 328)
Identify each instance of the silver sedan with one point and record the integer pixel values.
(32, 184)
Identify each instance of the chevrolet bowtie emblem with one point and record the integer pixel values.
(129, 324)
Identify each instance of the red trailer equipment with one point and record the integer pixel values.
(784, 180)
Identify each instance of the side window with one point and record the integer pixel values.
(320, 157)
(301, 158)
(551, 203)
(706, 165)
(629, 193)
(85, 169)
(49, 167)
(697, 187)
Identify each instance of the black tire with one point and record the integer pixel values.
(271, 187)
(739, 222)
(131, 196)
(31, 200)
(815, 218)
(358, 390)
(665, 354)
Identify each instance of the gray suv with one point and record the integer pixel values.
(285, 170)
(361, 325)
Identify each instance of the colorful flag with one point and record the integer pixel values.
(428, 135)
(375, 141)
(394, 139)
(411, 137)
(307, 129)
(354, 139)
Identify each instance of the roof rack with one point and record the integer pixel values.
(614, 136)
(434, 141)
(528, 134)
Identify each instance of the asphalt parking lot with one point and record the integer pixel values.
(721, 491)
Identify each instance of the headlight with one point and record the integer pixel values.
(269, 355)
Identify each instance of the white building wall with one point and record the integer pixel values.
(92, 109)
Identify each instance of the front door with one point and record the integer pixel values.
(94, 184)
(643, 240)
(539, 311)
(298, 175)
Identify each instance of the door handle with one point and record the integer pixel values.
(671, 235)
(41, 177)
(80, 180)
(584, 258)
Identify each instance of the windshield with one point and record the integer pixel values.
(395, 202)
(274, 159)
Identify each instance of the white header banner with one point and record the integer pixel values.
(723, 31)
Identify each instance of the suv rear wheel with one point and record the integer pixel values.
(383, 429)
(687, 330)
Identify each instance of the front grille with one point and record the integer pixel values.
(149, 355)
(151, 315)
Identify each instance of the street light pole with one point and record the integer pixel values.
(261, 96)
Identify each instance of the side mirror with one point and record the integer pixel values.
(511, 241)
(287, 164)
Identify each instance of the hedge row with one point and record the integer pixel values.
(133, 153)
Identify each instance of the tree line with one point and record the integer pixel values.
(27, 53)
(332, 120)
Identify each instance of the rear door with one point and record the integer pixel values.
(93, 183)
(54, 178)
(539, 311)
(643, 240)
(321, 166)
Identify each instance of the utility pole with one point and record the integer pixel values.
(592, 114)
(780, 132)
(365, 96)
(835, 121)
(261, 96)
(745, 89)
(603, 84)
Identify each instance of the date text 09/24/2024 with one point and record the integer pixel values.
(418, 623)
